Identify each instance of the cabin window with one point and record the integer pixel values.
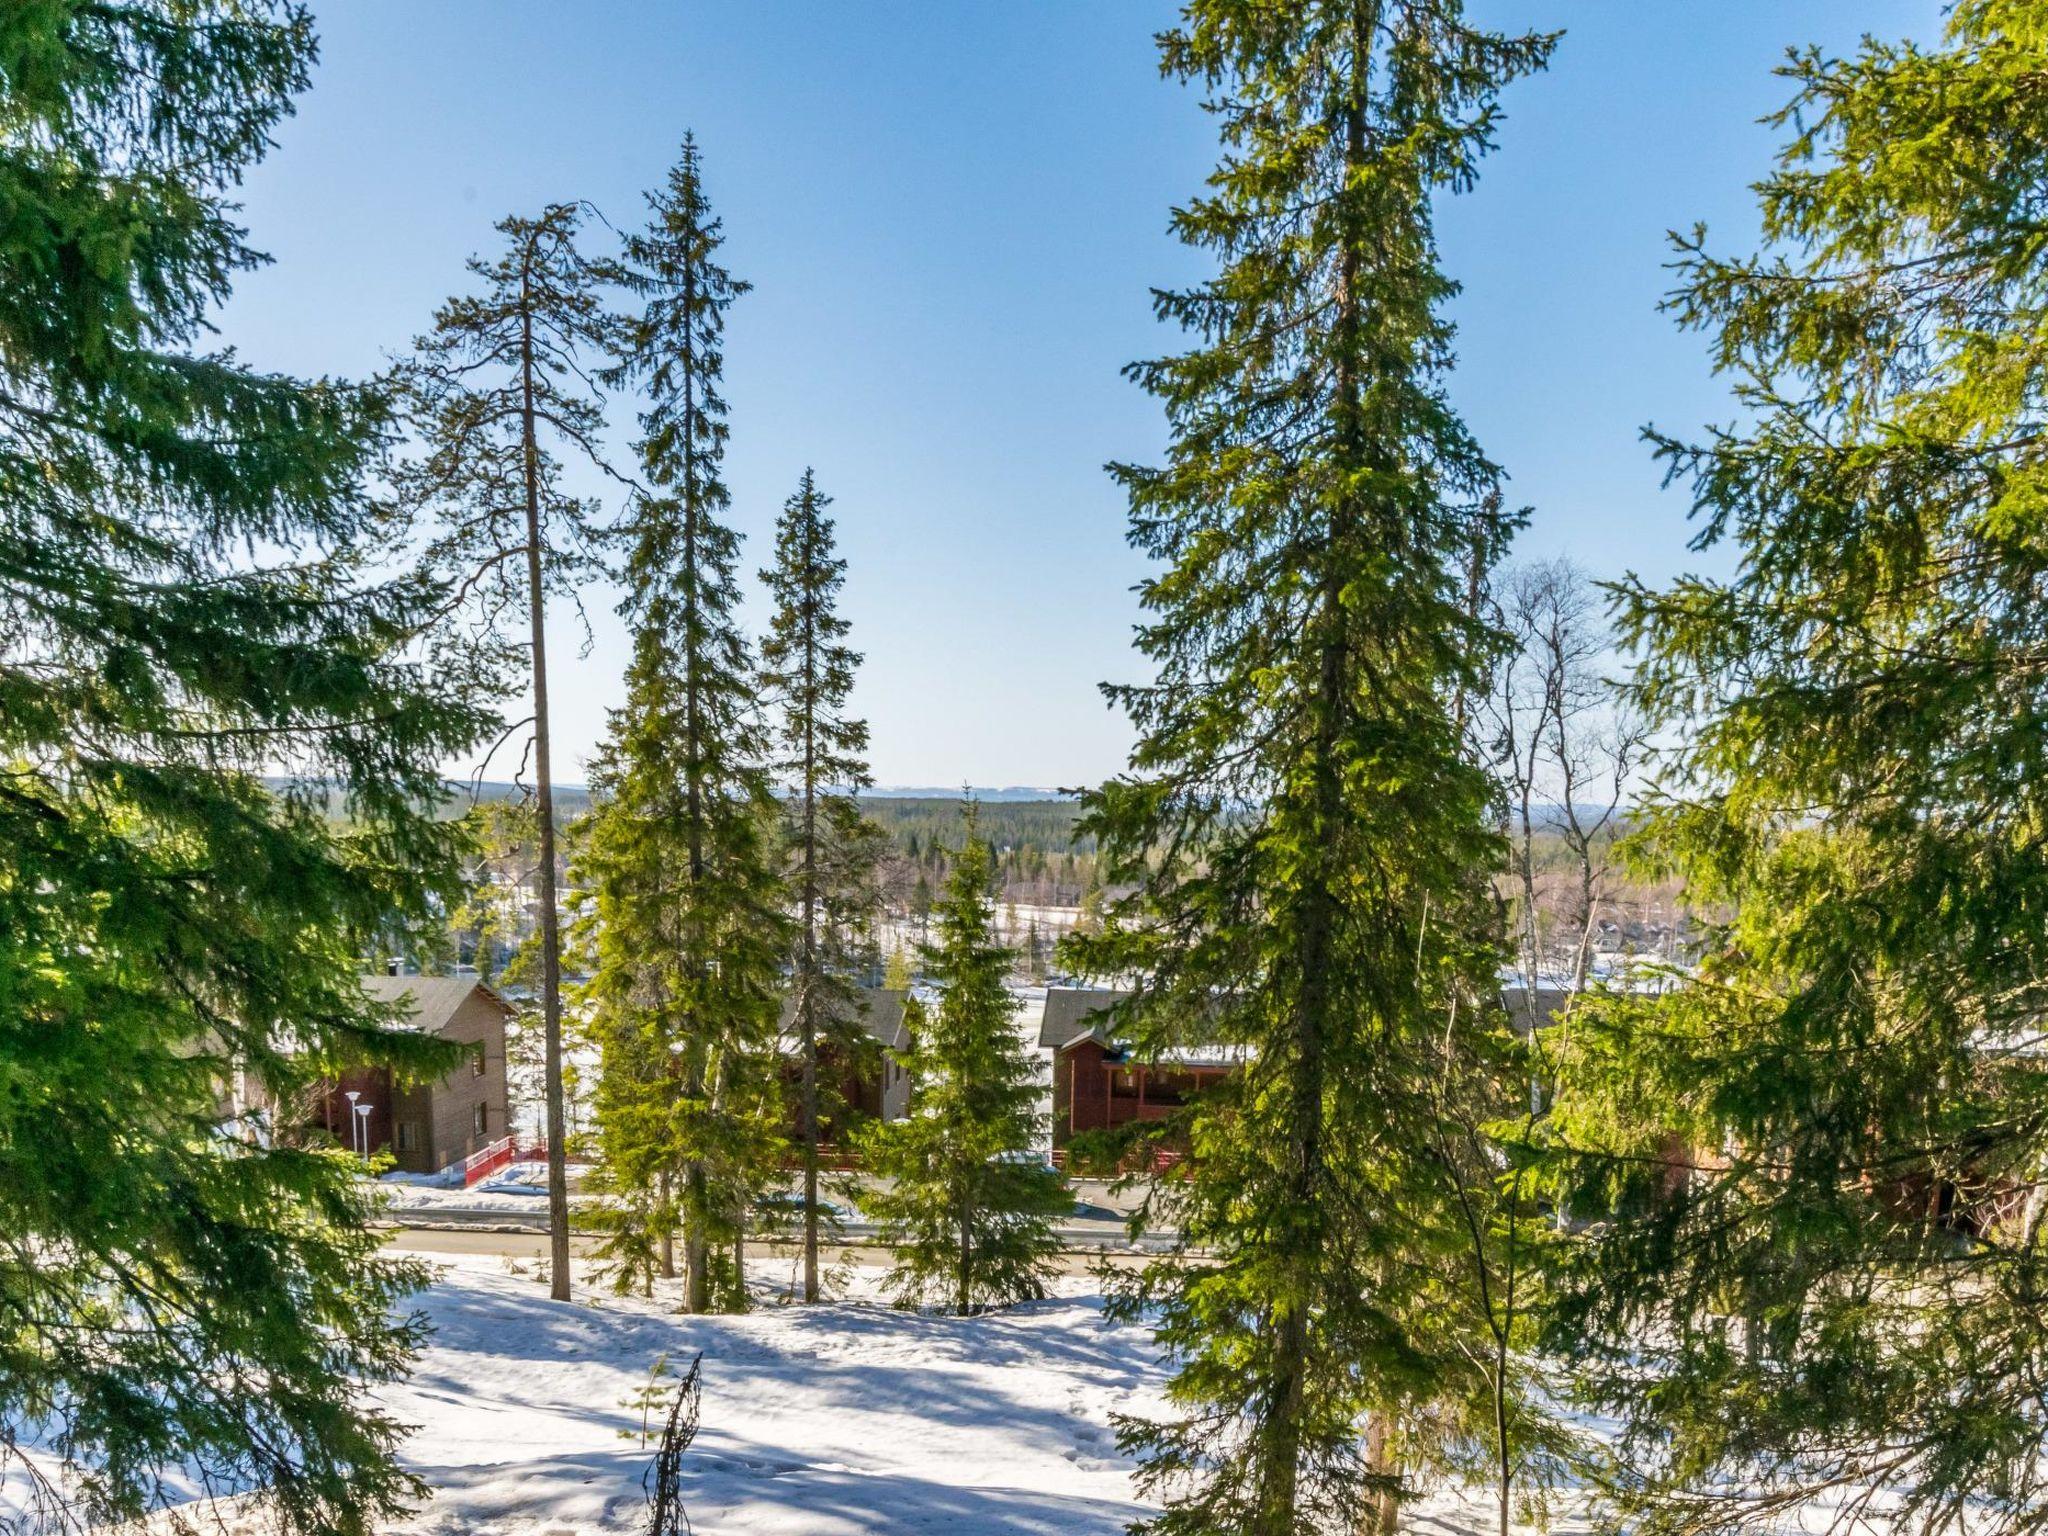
(480, 1121)
(408, 1136)
(476, 1059)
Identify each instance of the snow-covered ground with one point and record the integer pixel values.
(846, 1418)
(520, 1188)
(850, 1417)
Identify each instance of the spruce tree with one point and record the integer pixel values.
(833, 850)
(1817, 1168)
(681, 855)
(502, 375)
(971, 1201)
(1304, 825)
(188, 606)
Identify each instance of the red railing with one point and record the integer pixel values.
(482, 1164)
(831, 1158)
(1164, 1160)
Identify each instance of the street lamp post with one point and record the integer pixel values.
(352, 1096)
(363, 1115)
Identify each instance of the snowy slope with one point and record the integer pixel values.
(830, 1420)
(825, 1421)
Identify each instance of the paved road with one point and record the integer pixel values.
(534, 1245)
(1097, 1223)
(1091, 1231)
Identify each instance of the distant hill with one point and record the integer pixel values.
(1012, 792)
(571, 800)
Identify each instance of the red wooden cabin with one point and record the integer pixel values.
(1097, 1084)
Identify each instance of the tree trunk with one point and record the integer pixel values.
(1380, 1512)
(966, 1280)
(664, 1190)
(810, 1114)
(696, 1244)
(739, 1261)
(550, 930)
(808, 972)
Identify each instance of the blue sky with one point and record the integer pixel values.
(952, 212)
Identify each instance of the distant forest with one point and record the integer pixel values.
(1038, 859)
(1040, 862)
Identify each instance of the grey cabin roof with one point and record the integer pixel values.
(1074, 1014)
(433, 999)
(1071, 1013)
(1550, 1001)
(881, 1015)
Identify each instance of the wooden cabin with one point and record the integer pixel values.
(1098, 1085)
(428, 1126)
(872, 1081)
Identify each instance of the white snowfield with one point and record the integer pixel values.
(821, 1420)
(848, 1417)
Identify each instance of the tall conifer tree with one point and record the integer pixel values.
(833, 850)
(179, 946)
(1307, 830)
(682, 854)
(503, 375)
(971, 1204)
(1837, 1314)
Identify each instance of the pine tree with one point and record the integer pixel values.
(832, 849)
(188, 606)
(501, 375)
(1304, 823)
(1837, 1307)
(681, 855)
(921, 905)
(971, 1202)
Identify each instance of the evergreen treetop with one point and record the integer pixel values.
(972, 1201)
(1834, 1300)
(186, 1282)
(1304, 829)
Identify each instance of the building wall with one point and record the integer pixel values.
(413, 1114)
(1080, 1091)
(456, 1098)
(895, 1088)
(443, 1114)
(871, 1084)
(372, 1085)
(1091, 1093)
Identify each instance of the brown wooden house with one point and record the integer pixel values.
(1098, 1085)
(873, 1082)
(427, 1126)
